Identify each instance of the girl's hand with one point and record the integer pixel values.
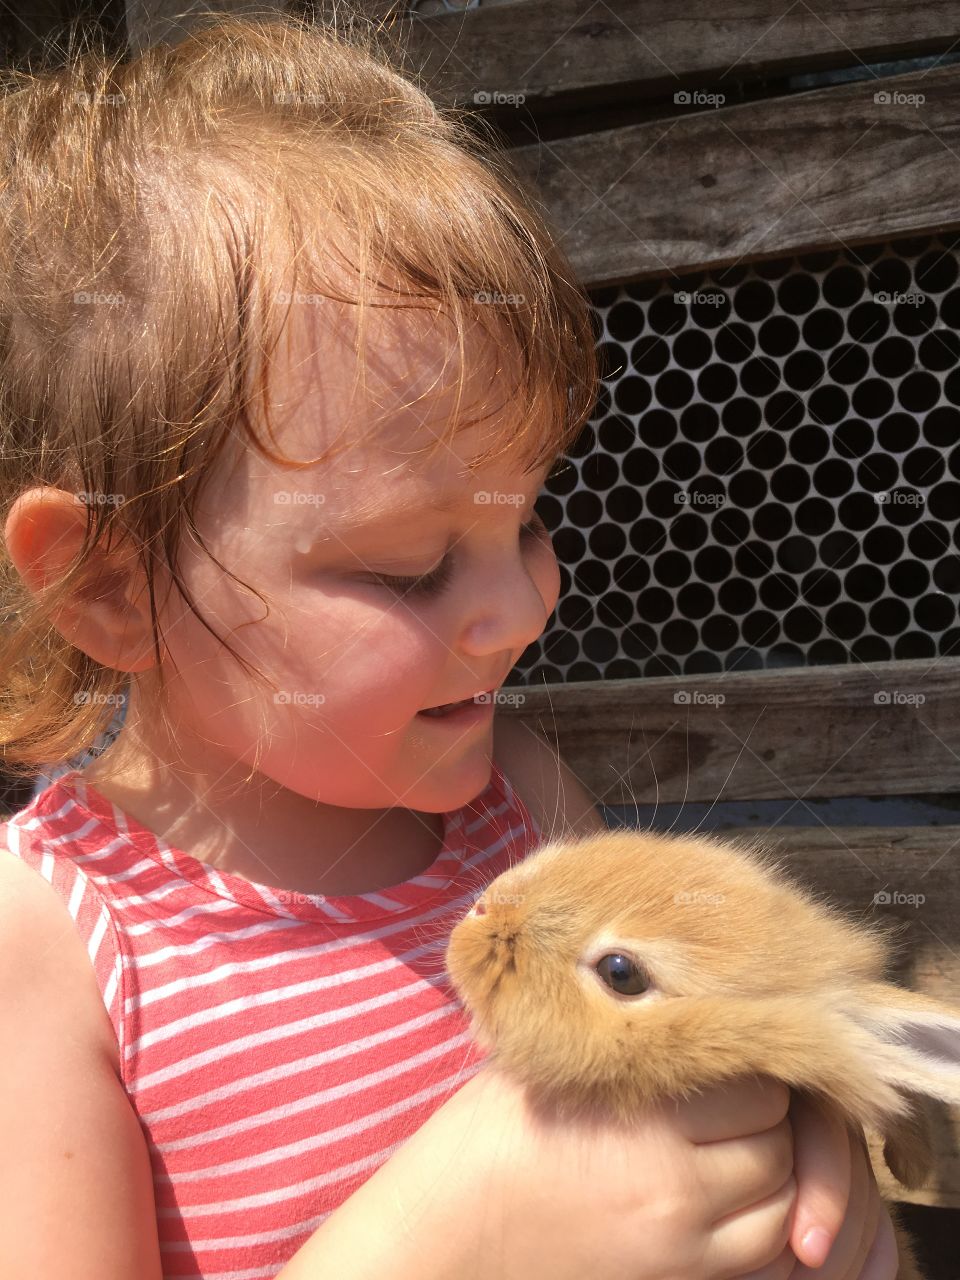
(837, 1195)
(494, 1188)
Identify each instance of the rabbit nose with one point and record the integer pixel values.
(478, 909)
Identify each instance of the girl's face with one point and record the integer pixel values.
(394, 584)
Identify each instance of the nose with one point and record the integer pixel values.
(510, 610)
(478, 909)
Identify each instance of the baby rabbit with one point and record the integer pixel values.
(612, 970)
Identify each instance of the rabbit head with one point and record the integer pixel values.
(614, 969)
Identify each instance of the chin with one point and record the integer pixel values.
(455, 783)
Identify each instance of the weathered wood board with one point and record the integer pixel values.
(889, 728)
(543, 49)
(819, 170)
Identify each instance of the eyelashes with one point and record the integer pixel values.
(433, 583)
(430, 584)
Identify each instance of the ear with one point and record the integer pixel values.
(908, 1145)
(925, 1064)
(107, 614)
(923, 1034)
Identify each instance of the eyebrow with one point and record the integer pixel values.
(411, 506)
(354, 522)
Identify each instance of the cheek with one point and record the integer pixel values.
(370, 657)
(545, 572)
(222, 604)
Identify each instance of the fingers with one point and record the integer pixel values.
(780, 1269)
(732, 1252)
(740, 1106)
(882, 1262)
(821, 1143)
(741, 1172)
(854, 1239)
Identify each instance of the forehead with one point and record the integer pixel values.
(387, 411)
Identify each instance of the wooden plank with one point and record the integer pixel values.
(916, 868)
(548, 49)
(823, 169)
(151, 22)
(38, 29)
(801, 733)
(919, 869)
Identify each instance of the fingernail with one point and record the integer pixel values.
(816, 1245)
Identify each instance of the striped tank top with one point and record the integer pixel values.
(277, 1047)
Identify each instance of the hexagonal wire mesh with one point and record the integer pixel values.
(771, 476)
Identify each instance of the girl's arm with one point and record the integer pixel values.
(76, 1191)
(553, 794)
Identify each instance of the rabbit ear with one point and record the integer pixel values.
(908, 1146)
(923, 1034)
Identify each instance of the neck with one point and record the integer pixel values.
(228, 815)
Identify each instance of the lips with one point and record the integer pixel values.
(445, 707)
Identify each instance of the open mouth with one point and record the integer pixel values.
(451, 708)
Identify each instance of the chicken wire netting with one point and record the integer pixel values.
(771, 476)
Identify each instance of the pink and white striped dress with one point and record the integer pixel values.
(276, 1047)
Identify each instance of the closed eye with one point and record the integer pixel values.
(431, 583)
(437, 579)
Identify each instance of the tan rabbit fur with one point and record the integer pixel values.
(739, 970)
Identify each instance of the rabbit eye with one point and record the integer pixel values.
(622, 974)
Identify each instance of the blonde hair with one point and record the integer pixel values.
(154, 188)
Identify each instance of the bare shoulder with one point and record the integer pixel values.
(76, 1195)
(551, 791)
(39, 935)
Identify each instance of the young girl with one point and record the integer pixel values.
(287, 357)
